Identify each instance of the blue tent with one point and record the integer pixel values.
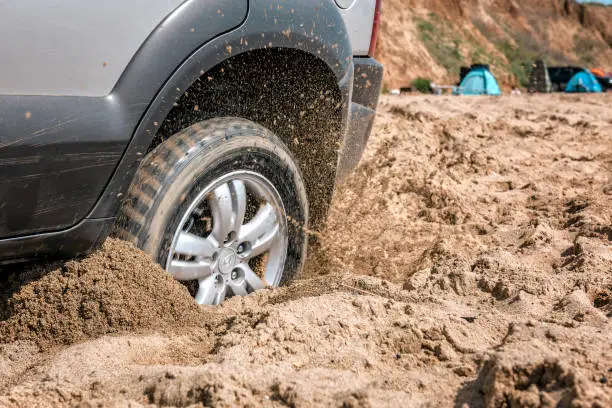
(479, 81)
(583, 81)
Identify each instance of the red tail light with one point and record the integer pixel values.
(375, 28)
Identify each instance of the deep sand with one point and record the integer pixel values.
(468, 260)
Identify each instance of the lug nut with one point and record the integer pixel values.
(240, 248)
(234, 274)
(230, 237)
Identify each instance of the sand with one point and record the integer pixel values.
(466, 262)
(115, 289)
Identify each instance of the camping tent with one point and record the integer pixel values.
(605, 80)
(583, 81)
(479, 81)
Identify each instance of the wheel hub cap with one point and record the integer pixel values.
(219, 258)
(227, 261)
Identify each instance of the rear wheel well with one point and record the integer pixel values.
(290, 92)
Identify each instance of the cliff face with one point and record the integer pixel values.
(433, 38)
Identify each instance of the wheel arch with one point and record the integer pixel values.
(316, 32)
(296, 97)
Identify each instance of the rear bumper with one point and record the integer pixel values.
(367, 83)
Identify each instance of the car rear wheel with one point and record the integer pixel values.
(222, 207)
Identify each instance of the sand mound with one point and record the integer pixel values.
(547, 367)
(467, 261)
(289, 346)
(116, 288)
(441, 270)
(548, 383)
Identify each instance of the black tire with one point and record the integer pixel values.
(173, 174)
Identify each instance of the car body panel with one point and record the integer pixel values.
(358, 16)
(72, 47)
(81, 47)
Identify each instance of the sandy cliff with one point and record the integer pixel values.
(433, 38)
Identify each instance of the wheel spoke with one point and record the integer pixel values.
(209, 293)
(253, 281)
(264, 243)
(190, 244)
(220, 295)
(261, 231)
(189, 270)
(221, 208)
(239, 203)
(228, 205)
(239, 288)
